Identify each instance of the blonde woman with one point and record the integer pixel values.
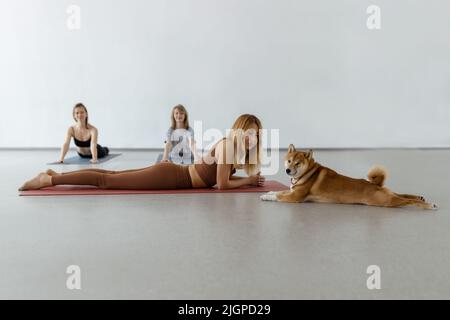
(240, 150)
(84, 136)
(180, 143)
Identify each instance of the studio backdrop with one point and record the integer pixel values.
(326, 73)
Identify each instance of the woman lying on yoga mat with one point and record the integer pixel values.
(87, 134)
(240, 150)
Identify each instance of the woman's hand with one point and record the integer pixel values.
(60, 161)
(257, 180)
(93, 161)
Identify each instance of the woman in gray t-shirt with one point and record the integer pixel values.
(180, 144)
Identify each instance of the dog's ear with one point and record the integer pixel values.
(291, 148)
(309, 154)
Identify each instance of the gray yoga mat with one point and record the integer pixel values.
(79, 160)
(178, 160)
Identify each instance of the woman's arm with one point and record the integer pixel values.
(65, 146)
(94, 135)
(168, 145)
(224, 181)
(167, 149)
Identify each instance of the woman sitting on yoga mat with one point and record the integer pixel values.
(180, 144)
(240, 150)
(85, 137)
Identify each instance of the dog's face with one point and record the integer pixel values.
(297, 162)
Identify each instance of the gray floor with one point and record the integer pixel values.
(226, 246)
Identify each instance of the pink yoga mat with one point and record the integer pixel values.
(89, 190)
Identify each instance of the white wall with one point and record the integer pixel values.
(310, 68)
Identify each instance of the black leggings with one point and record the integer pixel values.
(101, 152)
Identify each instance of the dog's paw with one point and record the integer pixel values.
(269, 196)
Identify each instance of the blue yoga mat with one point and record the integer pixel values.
(80, 160)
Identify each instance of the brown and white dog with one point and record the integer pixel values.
(312, 182)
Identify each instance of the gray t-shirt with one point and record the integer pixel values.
(180, 141)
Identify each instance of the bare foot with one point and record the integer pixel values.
(52, 173)
(42, 180)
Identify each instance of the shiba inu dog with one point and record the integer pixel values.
(310, 181)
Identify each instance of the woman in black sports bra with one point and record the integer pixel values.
(85, 137)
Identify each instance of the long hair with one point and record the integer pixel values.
(182, 109)
(80, 105)
(249, 160)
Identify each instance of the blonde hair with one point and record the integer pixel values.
(80, 105)
(235, 142)
(181, 108)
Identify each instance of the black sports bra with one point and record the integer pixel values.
(79, 143)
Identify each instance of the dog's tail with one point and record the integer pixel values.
(377, 175)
